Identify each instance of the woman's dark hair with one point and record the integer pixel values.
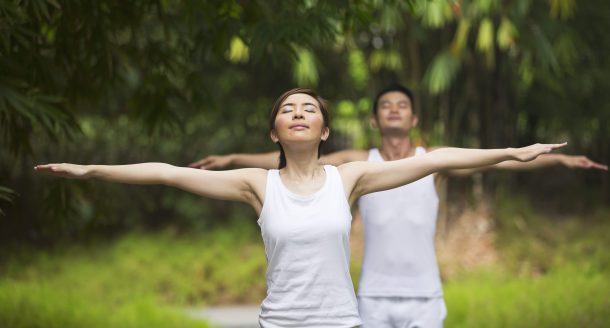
(276, 109)
(394, 87)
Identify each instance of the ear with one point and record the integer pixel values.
(414, 121)
(325, 133)
(274, 137)
(373, 121)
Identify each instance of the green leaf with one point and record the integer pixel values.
(485, 37)
(461, 36)
(434, 13)
(238, 51)
(441, 72)
(358, 69)
(562, 8)
(305, 71)
(507, 33)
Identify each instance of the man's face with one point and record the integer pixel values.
(394, 114)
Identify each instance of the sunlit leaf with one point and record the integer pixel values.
(376, 60)
(484, 7)
(305, 71)
(461, 36)
(358, 69)
(434, 13)
(507, 33)
(393, 61)
(485, 36)
(562, 8)
(238, 51)
(441, 72)
(346, 108)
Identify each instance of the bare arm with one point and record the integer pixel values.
(264, 160)
(271, 160)
(361, 178)
(543, 161)
(243, 185)
(344, 156)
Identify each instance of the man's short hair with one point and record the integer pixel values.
(394, 87)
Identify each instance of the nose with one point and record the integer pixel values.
(297, 113)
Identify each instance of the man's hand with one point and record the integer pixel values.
(212, 162)
(582, 162)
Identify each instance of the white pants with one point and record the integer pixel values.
(402, 312)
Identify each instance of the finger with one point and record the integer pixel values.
(210, 166)
(197, 163)
(44, 167)
(559, 145)
(48, 169)
(599, 166)
(206, 163)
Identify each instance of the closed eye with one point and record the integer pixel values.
(310, 109)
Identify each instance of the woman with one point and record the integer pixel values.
(304, 207)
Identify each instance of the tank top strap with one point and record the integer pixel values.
(273, 180)
(374, 155)
(420, 150)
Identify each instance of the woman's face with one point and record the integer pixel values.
(299, 119)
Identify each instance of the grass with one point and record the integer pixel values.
(139, 280)
(566, 297)
(44, 304)
(553, 272)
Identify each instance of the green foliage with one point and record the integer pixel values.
(565, 297)
(443, 71)
(6, 195)
(358, 69)
(305, 70)
(41, 305)
(122, 82)
(552, 273)
(552, 269)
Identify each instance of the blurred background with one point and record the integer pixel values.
(116, 82)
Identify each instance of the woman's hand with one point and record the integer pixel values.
(64, 170)
(526, 154)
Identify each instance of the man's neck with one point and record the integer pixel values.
(396, 147)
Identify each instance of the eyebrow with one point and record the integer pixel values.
(394, 102)
(291, 104)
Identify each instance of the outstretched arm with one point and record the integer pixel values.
(361, 178)
(240, 185)
(543, 161)
(263, 160)
(271, 160)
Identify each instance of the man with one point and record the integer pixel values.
(400, 283)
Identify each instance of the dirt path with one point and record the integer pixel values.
(229, 316)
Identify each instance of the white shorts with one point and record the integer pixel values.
(402, 312)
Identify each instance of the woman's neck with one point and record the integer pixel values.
(301, 165)
(303, 174)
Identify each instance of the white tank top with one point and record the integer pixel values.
(399, 226)
(307, 247)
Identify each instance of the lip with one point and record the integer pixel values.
(394, 118)
(299, 127)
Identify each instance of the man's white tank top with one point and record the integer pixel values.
(399, 226)
(307, 247)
